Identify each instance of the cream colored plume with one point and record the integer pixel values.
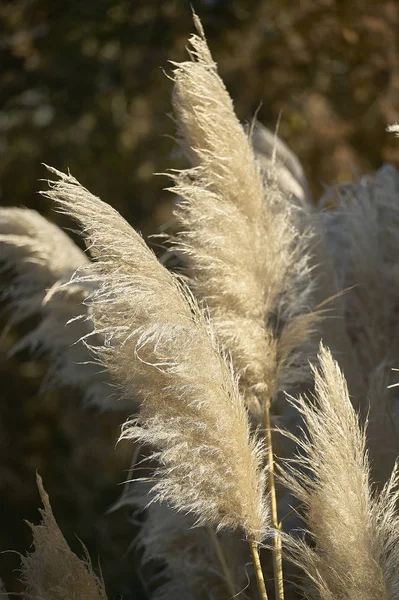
(362, 238)
(179, 559)
(240, 236)
(160, 347)
(353, 550)
(37, 257)
(362, 235)
(52, 571)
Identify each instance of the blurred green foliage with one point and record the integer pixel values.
(82, 86)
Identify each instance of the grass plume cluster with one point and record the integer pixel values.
(209, 361)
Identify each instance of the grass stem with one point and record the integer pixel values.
(277, 549)
(258, 569)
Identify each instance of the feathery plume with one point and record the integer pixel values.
(52, 571)
(354, 533)
(362, 237)
(179, 559)
(39, 258)
(159, 346)
(239, 235)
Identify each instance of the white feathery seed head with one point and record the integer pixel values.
(362, 236)
(181, 560)
(354, 534)
(240, 237)
(160, 347)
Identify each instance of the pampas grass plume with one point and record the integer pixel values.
(354, 533)
(160, 347)
(362, 235)
(52, 571)
(239, 235)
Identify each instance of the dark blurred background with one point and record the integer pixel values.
(82, 86)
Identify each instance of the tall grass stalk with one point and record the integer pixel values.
(253, 546)
(277, 547)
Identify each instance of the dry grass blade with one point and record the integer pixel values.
(354, 533)
(52, 571)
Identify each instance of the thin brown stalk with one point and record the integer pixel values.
(277, 549)
(258, 569)
(222, 561)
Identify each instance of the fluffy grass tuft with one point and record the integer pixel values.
(241, 237)
(362, 234)
(160, 347)
(353, 546)
(52, 571)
